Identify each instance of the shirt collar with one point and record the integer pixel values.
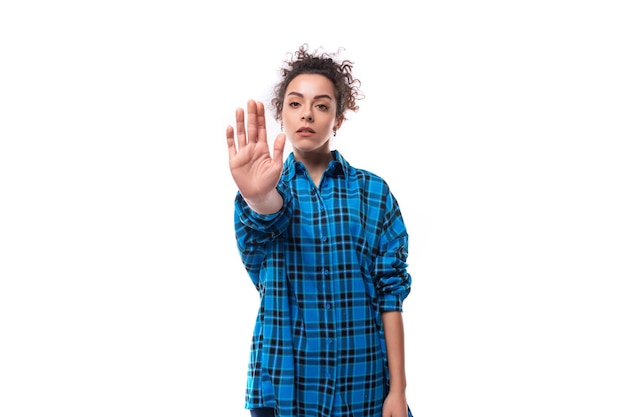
(337, 166)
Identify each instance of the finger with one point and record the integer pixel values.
(241, 130)
(230, 141)
(252, 121)
(260, 115)
(279, 146)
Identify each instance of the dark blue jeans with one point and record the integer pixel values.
(262, 412)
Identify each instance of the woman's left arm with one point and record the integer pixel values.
(393, 286)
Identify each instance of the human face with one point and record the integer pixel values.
(308, 113)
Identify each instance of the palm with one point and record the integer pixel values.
(255, 171)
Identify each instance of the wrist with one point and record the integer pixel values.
(267, 204)
(399, 388)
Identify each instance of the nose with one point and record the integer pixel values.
(308, 117)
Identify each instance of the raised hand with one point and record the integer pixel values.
(255, 171)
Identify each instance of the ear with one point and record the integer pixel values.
(338, 123)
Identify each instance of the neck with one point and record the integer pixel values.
(315, 163)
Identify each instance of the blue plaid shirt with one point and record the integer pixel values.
(325, 266)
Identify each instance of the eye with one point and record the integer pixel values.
(294, 104)
(322, 107)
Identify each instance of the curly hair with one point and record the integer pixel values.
(339, 72)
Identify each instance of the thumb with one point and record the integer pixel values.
(279, 146)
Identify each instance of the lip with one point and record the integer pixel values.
(305, 130)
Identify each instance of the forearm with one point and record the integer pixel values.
(255, 231)
(393, 327)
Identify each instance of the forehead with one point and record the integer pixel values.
(311, 85)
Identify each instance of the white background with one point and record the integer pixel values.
(500, 127)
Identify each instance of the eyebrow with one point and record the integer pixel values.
(293, 93)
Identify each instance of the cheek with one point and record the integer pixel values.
(329, 119)
(289, 118)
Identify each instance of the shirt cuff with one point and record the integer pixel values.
(273, 222)
(390, 302)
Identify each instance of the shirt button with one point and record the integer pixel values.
(326, 272)
(329, 341)
(328, 306)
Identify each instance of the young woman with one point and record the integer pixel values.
(325, 245)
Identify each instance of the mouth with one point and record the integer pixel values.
(305, 129)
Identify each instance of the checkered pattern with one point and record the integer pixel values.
(325, 266)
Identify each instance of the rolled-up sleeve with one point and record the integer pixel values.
(393, 282)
